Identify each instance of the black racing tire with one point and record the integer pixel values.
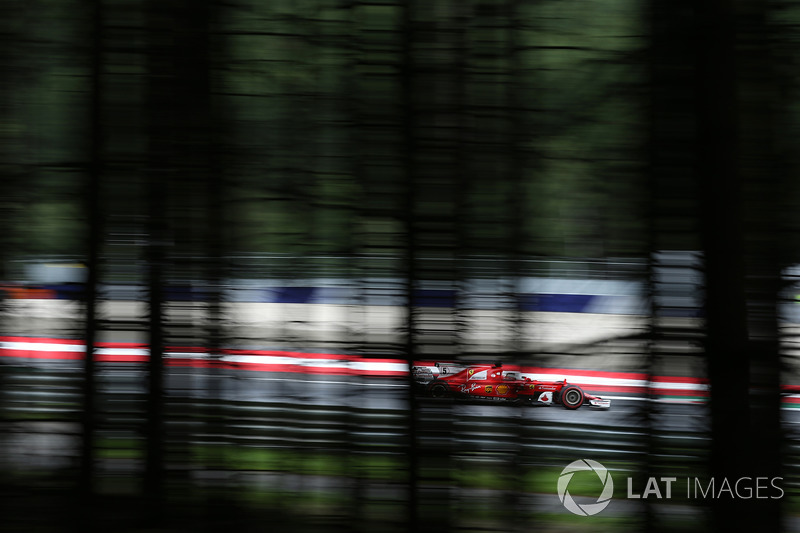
(571, 397)
(437, 389)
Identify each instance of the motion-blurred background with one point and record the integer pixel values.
(259, 214)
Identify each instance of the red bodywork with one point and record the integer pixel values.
(488, 381)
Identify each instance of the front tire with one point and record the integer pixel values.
(572, 397)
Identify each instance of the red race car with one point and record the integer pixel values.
(491, 382)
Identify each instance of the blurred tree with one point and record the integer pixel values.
(735, 171)
(163, 133)
(766, 182)
(94, 241)
(672, 217)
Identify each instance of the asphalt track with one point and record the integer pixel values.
(291, 377)
(300, 396)
(296, 354)
(318, 378)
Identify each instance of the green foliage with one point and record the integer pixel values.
(538, 117)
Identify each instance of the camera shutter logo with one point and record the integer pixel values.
(587, 509)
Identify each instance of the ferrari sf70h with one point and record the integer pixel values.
(491, 382)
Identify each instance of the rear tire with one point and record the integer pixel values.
(572, 397)
(438, 390)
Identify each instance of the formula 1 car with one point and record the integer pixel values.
(491, 382)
